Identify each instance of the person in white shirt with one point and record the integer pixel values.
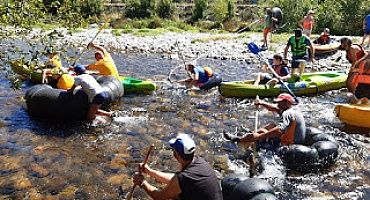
(96, 94)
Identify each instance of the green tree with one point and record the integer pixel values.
(200, 8)
(139, 8)
(165, 8)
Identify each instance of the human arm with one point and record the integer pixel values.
(286, 51)
(97, 47)
(161, 177)
(171, 190)
(71, 89)
(268, 106)
(312, 49)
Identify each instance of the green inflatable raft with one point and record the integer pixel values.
(310, 84)
(131, 85)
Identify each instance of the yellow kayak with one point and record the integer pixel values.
(354, 114)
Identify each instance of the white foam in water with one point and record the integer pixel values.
(130, 120)
(271, 168)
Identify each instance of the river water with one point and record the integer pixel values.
(43, 160)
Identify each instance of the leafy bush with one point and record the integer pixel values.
(199, 9)
(139, 8)
(165, 8)
(342, 17)
(154, 23)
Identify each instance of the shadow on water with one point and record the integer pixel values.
(40, 159)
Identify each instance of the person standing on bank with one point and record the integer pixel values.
(269, 21)
(307, 23)
(196, 180)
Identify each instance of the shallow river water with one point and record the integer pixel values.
(43, 160)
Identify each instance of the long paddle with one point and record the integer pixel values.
(252, 159)
(249, 25)
(256, 50)
(92, 40)
(131, 193)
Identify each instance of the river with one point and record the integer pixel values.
(43, 160)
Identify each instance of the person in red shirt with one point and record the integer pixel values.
(324, 37)
(307, 23)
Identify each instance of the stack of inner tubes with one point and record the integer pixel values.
(239, 187)
(320, 151)
(45, 102)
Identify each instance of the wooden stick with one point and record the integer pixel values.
(252, 158)
(131, 193)
(96, 35)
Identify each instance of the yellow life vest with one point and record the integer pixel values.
(65, 82)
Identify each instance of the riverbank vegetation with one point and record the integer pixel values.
(342, 17)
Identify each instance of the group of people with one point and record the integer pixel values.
(195, 179)
(61, 78)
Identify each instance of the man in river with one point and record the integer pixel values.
(200, 76)
(96, 94)
(279, 67)
(298, 44)
(355, 54)
(291, 129)
(196, 180)
(324, 37)
(361, 81)
(104, 62)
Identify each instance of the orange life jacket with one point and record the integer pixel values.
(208, 71)
(358, 55)
(362, 75)
(288, 137)
(324, 38)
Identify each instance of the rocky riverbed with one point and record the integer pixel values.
(42, 160)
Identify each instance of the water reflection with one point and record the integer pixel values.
(40, 159)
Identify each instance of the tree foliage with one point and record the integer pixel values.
(69, 13)
(343, 17)
(165, 8)
(200, 7)
(139, 8)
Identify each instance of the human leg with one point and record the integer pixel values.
(91, 113)
(261, 78)
(265, 34)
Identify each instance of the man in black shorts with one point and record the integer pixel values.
(299, 44)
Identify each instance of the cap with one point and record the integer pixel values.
(183, 144)
(310, 12)
(284, 96)
(298, 32)
(327, 30)
(79, 69)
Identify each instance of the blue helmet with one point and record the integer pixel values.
(79, 69)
